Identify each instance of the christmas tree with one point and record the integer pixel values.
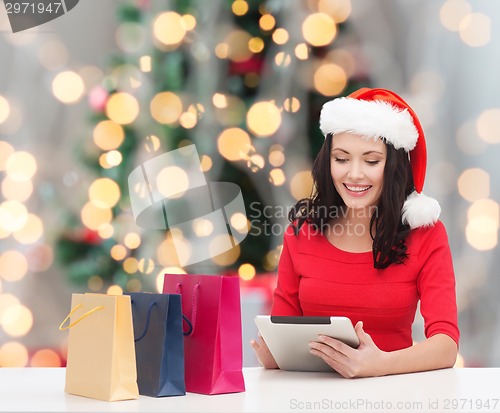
(241, 80)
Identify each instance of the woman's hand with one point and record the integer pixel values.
(365, 361)
(263, 354)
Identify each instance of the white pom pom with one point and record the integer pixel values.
(420, 210)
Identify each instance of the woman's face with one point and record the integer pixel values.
(357, 168)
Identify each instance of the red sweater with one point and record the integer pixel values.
(316, 278)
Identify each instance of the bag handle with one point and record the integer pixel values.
(194, 309)
(148, 318)
(80, 319)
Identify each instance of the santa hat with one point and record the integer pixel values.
(380, 113)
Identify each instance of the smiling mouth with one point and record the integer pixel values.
(357, 189)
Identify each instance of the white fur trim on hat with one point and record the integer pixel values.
(420, 210)
(371, 119)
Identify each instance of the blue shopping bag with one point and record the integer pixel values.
(159, 344)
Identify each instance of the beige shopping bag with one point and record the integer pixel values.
(101, 351)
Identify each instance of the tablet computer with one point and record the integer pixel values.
(288, 338)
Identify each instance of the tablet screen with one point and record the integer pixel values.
(288, 338)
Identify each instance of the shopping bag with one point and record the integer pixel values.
(213, 352)
(101, 353)
(159, 344)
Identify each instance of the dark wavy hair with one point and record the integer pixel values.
(386, 227)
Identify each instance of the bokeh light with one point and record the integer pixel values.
(263, 118)
(94, 217)
(13, 266)
(302, 51)
(330, 79)
(256, 162)
(114, 290)
(68, 87)
(267, 22)
(206, 163)
(246, 272)
(475, 29)
(291, 104)
(474, 184)
(122, 108)
(169, 28)
(301, 185)
(131, 265)
(13, 216)
(485, 208)
(172, 182)
(106, 231)
(481, 235)
(234, 144)
(45, 358)
(145, 63)
(31, 232)
(146, 265)
(132, 240)
(238, 45)
(108, 135)
(21, 166)
(276, 155)
(202, 227)
(280, 36)
(118, 252)
(13, 354)
(166, 108)
(95, 283)
(239, 7)
(488, 125)
(319, 29)
(189, 21)
(256, 44)
(277, 177)
(152, 143)
(282, 59)
(17, 320)
(339, 10)
(104, 193)
(112, 158)
(16, 190)
(6, 150)
(239, 222)
(452, 12)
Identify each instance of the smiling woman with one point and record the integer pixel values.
(368, 244)
(357, 168)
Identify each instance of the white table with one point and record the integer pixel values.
(464, 390)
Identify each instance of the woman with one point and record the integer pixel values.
(368, 244)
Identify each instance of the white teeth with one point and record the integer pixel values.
(357, 188)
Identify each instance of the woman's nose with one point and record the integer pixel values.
(355, 171)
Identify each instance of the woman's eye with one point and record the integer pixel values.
(372, 162)
(340, 160)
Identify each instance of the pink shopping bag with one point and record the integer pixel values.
(213, 352)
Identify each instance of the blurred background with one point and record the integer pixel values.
(90, 96)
